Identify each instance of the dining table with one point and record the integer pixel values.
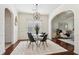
(37, 37)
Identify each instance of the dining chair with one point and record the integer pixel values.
(42, 34)
(31, 39)
(44, 40)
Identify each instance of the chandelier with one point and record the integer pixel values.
(36, 14)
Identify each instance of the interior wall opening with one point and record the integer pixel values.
(8, 28)
(62, 27)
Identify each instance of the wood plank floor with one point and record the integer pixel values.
(65, 45)
(69, 52)
(11, 48)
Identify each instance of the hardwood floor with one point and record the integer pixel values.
(8, 44)
(63, 44)
(11, 48)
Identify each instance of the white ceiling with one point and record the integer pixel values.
(42, 8)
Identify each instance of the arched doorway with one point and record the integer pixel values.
(64, 21)
(8, 28)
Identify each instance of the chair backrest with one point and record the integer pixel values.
(45, 37)
(43, 34)
(31, 37)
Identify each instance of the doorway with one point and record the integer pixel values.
(8, 28)
(62, 27)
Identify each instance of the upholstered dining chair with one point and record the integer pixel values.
(31, 39)
(44, 40)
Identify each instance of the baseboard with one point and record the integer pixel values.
(22, 39)
(8, 42)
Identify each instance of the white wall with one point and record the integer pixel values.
(23, 21)
(2, 26)
(2, 35)
(75, 9)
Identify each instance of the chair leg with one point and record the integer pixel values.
(32, 45)
(27, 40)
(29, 44)
(46, 43)
(36, 44)
(39, 43)
(43, 44)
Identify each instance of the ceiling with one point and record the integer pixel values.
(42, 8)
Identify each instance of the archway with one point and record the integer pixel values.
(8, 28)
(63, 21)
